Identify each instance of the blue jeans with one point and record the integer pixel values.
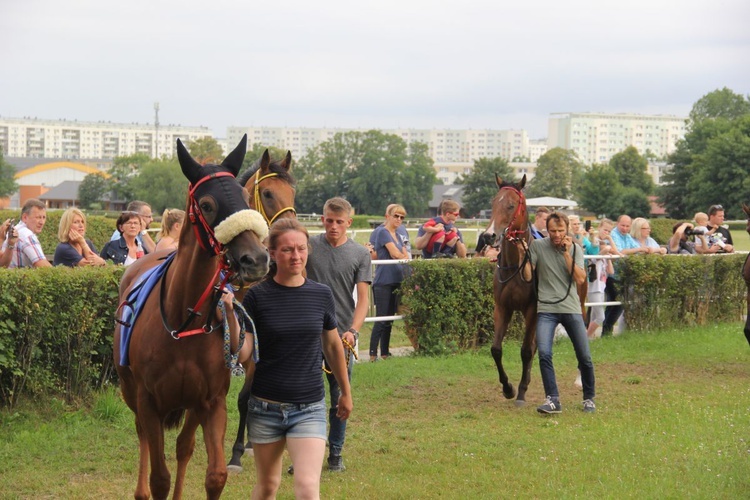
(337, 431)
(271, 422)
(386, 304)
(545, 335)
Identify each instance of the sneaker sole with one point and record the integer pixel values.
(548, 412)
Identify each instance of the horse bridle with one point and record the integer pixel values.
(259, 202)
(207, 240)
(513, 236)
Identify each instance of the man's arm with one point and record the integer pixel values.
(42, 263)
(422, 241)
(148, 244)
(363, 304)
(461, 249)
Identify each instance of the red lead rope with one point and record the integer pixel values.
(512, 234)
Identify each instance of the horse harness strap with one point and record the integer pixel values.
(206, 239)
(259, 202)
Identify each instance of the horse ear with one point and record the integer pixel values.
(746, 209)
(190, 168)
(265, 160)
(287, 164)
(234, 160)
(522, 184)
(498, 181)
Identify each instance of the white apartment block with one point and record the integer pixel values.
(596, 137)
(448, 173)
(35, 138)
(444, 145)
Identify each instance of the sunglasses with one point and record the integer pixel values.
(454, 213)
(716, 207)
(399, 216)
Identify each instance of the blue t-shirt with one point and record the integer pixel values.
(289, 322)
(390, 273)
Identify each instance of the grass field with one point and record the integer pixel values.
(673, 421)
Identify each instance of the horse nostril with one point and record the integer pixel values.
(247, 261)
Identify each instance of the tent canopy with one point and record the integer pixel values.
(549, 201)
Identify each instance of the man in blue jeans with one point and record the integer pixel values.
(558, 263)
(344, 265)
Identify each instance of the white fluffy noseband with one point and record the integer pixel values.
(244, 220)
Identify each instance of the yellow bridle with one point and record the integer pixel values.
(259, 202)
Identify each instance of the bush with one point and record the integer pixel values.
(56, 330)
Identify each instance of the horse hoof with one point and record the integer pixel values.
(520, 403)
(234, 469)
(509, 392)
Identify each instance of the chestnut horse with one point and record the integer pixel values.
(271, 188)
(513, 284)
(746, 276)
(176, 356)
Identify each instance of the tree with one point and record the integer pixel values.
(632, 170)
(371, 169)
(722, 103)
(162, 184)
(8, 184)
(557, 173)
(600, 191)
(124, 169)
(480, 186)
(634, 203)
(93, 187)
(206, 150)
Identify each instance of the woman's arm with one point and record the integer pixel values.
(334, 354)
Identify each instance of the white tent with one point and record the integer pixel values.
(551, 202)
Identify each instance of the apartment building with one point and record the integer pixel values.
(445, 146)
(596, 137)
(68, 140)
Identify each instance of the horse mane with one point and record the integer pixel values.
(273, 167)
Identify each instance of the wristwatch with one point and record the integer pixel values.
(355, 333)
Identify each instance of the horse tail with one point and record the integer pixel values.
(245, 176)
(173, 419)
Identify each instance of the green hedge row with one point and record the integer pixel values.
(56, 327)
(449, 303)
(56, 324)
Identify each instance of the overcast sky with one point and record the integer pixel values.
(386, 64)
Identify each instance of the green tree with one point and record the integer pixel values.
(124, 169)
(206, 150)
(162, 184)
(558, 172)
(634, 203)
(600, 191)
(370, 169)
(93, 187)
(722, 103)
(480, 186)
(632, 170)
(8, 184)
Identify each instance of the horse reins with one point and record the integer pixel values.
(259, 202)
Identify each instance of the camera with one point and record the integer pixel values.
(691, 231)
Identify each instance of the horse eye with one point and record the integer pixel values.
(267, 194)
(206, 207)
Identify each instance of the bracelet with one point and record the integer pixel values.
(355, 332)
(11, 247)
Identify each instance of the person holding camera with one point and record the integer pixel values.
(8, 240)
(558, 263)
(679, 243)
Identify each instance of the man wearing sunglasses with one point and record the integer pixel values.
(721, 237)
(439, 236)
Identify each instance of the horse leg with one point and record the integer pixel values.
(747, 320)
(235, 463)
(185, 448)
(214, 422)
(151, 425)
(502, 319)
(142, 491)
(528, 349)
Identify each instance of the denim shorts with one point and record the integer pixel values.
(272, 422)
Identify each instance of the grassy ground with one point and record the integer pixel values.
(673, 421)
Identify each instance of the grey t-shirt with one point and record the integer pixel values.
(553, 277)
(340, 268)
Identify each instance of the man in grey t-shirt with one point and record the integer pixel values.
(558, 263)
(344, 265)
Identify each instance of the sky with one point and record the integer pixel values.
(469, 64)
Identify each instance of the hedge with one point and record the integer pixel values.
(56, 324)
(449, 303)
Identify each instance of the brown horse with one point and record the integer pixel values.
(271, 188)
(513, 284)
(176, 359)
(746, 275)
